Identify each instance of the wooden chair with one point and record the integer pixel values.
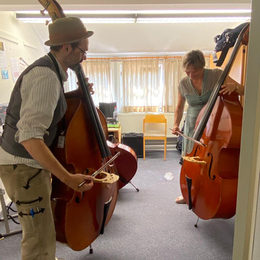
(155, 128)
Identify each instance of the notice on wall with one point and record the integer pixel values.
(15, 68)
(1, 46)
(3, 62)
(4, 73)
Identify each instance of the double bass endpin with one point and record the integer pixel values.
(196, 224)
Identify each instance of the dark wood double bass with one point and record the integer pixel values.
(81, 217)
(209, 174)
(126, 162)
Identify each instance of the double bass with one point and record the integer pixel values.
(126, 162)
(80, 217)
(209, 174)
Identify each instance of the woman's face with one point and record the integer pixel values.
(194, 73)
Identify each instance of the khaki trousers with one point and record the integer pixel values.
(30, 189)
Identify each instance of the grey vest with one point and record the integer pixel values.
(13, 113)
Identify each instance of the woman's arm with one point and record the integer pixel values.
(178, 113)
(230, 86)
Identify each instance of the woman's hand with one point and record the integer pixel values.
(176, 130)
(229, 88)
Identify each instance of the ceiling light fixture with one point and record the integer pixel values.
(186, 11)
(194, 20)
(145, 16)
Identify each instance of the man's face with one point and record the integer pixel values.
(83, 48)
(78, 54)
(194, 73)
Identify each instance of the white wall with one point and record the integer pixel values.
(20, 41)
(133, 122)
(247, 222)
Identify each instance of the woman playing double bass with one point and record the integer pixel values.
(36, 106)
(196, 88)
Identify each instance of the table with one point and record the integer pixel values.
(117, 133)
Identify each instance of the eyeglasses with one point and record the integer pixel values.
(83, 52)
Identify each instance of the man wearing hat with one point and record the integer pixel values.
(36, 106)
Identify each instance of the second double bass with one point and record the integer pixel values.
(126, 163)
(210, 172)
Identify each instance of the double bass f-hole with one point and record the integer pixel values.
(189, 184)
(197, 147)
(210, 166)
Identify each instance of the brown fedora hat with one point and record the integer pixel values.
(67, 30)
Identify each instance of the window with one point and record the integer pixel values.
(142, 84)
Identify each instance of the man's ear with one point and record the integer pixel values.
(67, 48)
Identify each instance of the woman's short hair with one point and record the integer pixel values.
(194, 58)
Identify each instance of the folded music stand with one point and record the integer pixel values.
(6, 217)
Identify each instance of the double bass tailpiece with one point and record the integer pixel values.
(194, 159)
(103, 176)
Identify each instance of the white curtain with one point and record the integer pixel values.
(99, 73)
(141, 86)
(173, 73)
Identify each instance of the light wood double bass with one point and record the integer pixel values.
(81, 217)
(209, 174)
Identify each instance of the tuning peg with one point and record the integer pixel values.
(43, 11)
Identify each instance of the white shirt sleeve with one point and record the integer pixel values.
(40, 92)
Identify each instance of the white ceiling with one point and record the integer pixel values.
(143, 39)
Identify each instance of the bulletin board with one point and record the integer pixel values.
(10, 65)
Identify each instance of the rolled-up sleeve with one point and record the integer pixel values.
(40, 92)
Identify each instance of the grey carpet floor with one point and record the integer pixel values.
(149, 225)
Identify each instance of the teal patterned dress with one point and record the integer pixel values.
(196, 102)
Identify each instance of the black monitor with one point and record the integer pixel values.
(108, 109)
